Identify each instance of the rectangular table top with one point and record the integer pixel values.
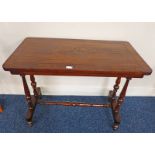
(51, 56)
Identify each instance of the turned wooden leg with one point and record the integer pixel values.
(36, 90)
(1, 108)
(116, 107)
(33, 84)
(112, 93)
(29, 101)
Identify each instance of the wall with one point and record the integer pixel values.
(140, 35)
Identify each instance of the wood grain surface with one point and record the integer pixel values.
(76, 57)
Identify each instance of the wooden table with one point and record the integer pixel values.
(73, 57)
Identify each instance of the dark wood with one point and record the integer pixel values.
(27, 92)
(1, 108)
(112, 94)
(75, 57)
(31, 104)
(39, 93)
(46, 56)
(81, 104)
(116, 107)
(33, 84)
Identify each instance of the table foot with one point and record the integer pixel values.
(30, 112)
(29, 116)
(29, 124)
(117, 119)
(115, 126)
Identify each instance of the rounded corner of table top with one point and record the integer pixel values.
(149, 71)
(4, 66)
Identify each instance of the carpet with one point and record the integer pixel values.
(138, 116)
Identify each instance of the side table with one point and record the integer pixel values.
(75, 57)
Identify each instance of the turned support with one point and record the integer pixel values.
(116, 87)
(29, 101)
(118, 103)
(27, 92)
(34, 85)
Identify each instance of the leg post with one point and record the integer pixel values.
(29, 101)
(33, 84)
(112, 94)
(36, 90)
(116, 108)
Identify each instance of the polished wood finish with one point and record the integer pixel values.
(33, 84)
(27, 92)
(117, 105)
(112, 94)
(74, 57)
(46, 56)
(80, 104)
(31, 105)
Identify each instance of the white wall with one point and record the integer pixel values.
(140, 35)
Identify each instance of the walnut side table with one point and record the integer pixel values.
(75, 57)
